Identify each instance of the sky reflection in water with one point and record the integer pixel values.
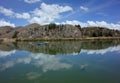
(82, 60)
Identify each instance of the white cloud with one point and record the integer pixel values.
(84, 8)
(48, 13)
(31, 1)
(5, 23)
(41, 20)
(119, 22)
(73, 22)
(6, 12)
(94, 23)
(23, 15)
(9, 12)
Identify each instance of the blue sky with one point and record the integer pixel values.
(84, 12)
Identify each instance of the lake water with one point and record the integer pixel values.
(60, 62)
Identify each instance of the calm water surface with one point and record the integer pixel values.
(60, 62)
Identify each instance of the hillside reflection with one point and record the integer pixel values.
(59, 47)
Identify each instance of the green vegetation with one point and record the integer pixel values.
(15, 34)
(52, 26)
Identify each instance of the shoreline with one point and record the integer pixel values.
(58, 39)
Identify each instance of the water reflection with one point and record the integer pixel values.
(32, 75)
(102, 51)
(6, 53)
(47, 62)
(28, 61)
(62, 47)
(43, 56)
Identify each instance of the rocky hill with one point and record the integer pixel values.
(99, 32)
(36, 31)
(33, 31)
(5, 30)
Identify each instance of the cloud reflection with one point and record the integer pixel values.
(6, 65)
(6, 53)
(45, 61)
(48, 62)
(102, 51)
(32, 75)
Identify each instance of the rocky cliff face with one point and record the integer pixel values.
(47, 31)
(5, 30)
(36, 31)
(50, 31)
(99, 32)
